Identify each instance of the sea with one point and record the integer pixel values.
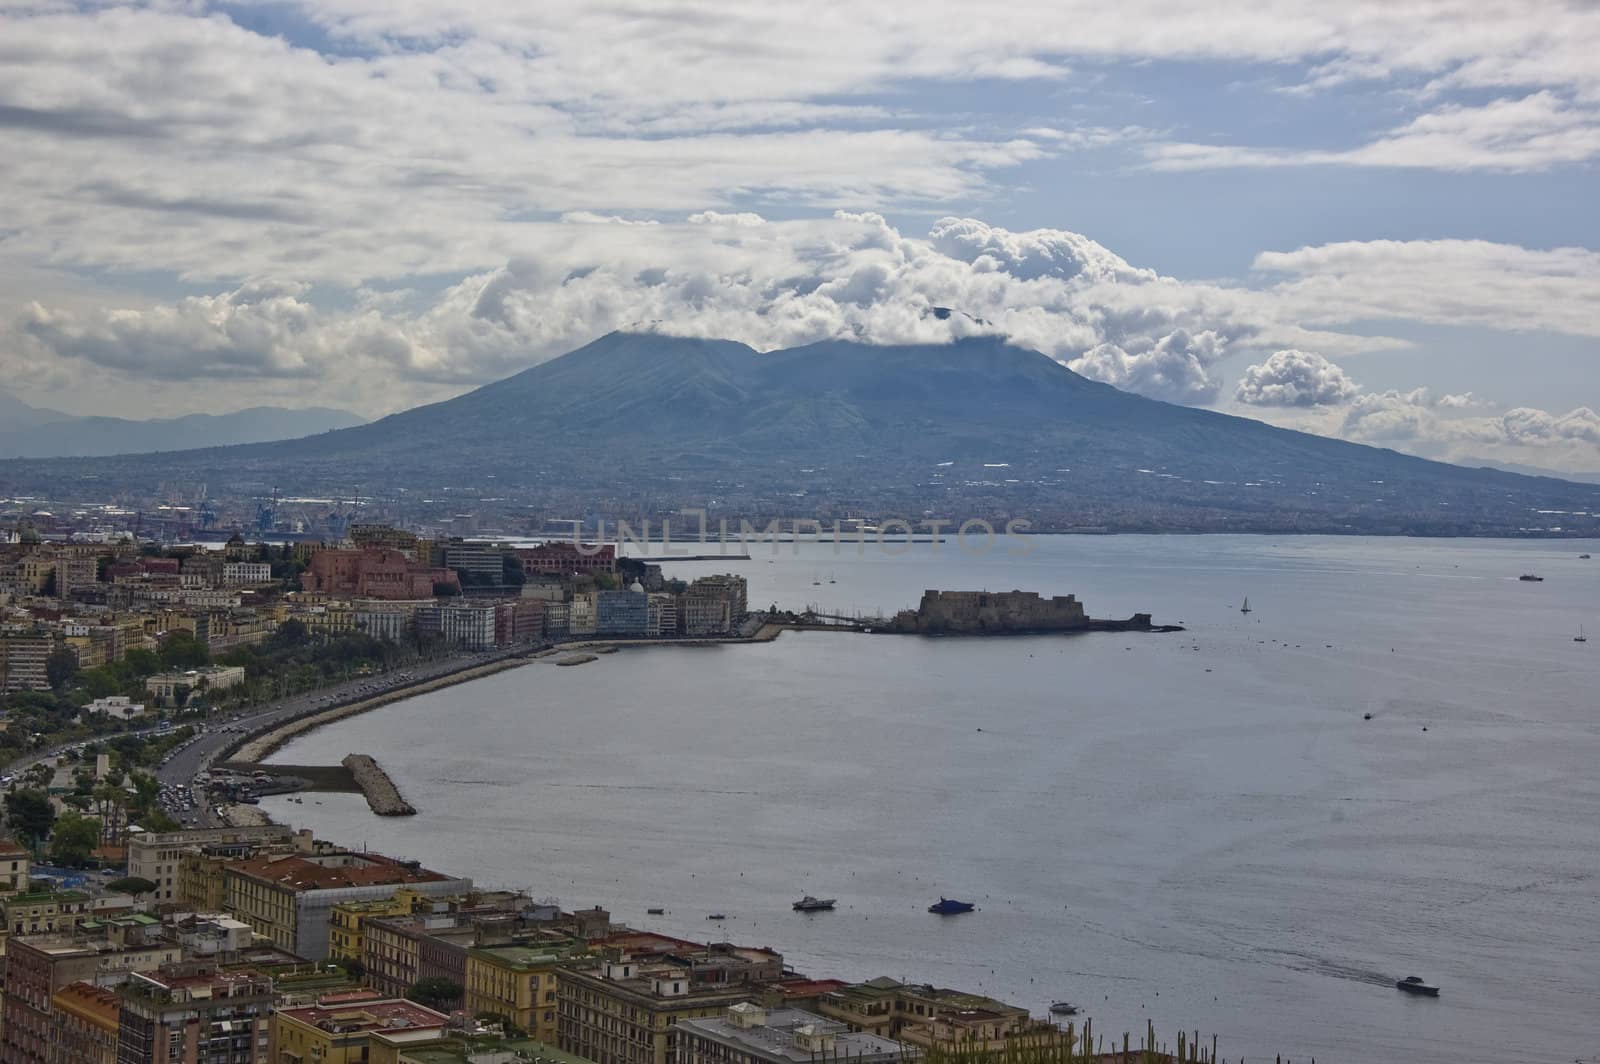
(1204, 829)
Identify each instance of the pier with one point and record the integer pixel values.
(382, 795)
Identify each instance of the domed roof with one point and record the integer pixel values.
(636, 586)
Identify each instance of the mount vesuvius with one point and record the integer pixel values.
(640, 423)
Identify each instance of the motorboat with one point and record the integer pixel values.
(1530, 578)
(655, 912)
(808, 904)
(951, 907)
(1064, 1008)
(1413, 984)
(715, 916)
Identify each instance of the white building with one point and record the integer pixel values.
(246, 574)
(470, 626)
(120, 706)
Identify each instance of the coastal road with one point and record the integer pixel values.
(224, 732)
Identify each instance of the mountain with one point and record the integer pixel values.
(1532, 471)
(32, 432)
(642, 423)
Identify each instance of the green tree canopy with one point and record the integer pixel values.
(436, 992)
(74, 838)
(60, 667)
(29, 814)
(181, 650)
(135, 885)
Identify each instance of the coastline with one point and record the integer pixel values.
(253, 748)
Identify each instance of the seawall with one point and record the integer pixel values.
(382, 795)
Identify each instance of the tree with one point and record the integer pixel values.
(158, 820)
(29, 814)
(135, 885)
(181, 650)
(60, 667)
(74, 838)
(436, 992)
(292, 633)
(355, 968)
(142, 662)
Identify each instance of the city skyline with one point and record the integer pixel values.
(1373, 223)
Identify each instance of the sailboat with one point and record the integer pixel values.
(1246, 607)
(1580, 637)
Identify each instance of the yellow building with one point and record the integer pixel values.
(46, 912)
(347, 922)
(624, 1012)
(84, 1025)
(518, 983)
(342, 1033)
(15, 867)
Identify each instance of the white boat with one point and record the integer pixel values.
(808, 904)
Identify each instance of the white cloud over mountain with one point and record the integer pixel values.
(783, 283)
(323, 195)
(1295, 378)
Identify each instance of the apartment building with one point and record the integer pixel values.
(287, 899)
(83, 1025)
(518, 981)
(749, 1034)
(191, 1012)
(343, 1033)
(158, 856)
(37, 966)
(624, 1011)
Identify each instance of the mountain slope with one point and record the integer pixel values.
(975, 427)
(31, 432)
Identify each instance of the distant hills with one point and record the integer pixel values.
(638, 423)
(32, 432)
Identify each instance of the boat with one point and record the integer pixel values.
(1580, 637)
(951, 907)
(1583, 557)
(655, 912)
(1530, 578)
(1413, 984)
(1246, 607)
(1064, 1008)
(715, 916)
(808, 904)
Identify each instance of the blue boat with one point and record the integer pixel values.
(950, 907)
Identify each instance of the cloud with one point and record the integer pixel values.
(774, 284)
(731, 275)
(1295, 378)
(1532, 132)
(1447, 282)
(1418, 421)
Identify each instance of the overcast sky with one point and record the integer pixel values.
(1373, 220)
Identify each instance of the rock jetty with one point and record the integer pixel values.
(382, 795)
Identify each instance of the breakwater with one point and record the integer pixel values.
(381, 793)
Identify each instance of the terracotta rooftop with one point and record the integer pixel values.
(648, 942)
(301, 873)
(391, 1015)
(93, 1003)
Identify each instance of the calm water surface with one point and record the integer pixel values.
(1198, 828)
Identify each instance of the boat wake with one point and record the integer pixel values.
(1306, 962)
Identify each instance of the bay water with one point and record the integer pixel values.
(1199, 828)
